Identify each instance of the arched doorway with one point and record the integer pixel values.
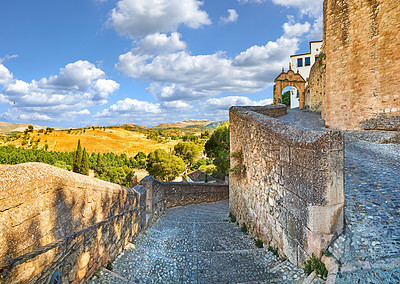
(289, 79)
(291, 97)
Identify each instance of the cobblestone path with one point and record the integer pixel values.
(197, 244)
(370, 249)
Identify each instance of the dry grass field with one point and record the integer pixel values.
(116, 140)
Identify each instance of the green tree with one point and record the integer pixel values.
(205, 134)
(78, 158)
(286, 98)
(99, 164)
(164, 166)
(188, 151)
(217, 148)
(85, 163)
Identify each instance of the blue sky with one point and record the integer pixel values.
(78, 63)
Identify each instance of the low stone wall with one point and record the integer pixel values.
(171, 194)
(54, 220)
(287, 185)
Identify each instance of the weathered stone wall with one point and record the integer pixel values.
(171, 194)
(289, 189)
(52, 219)
(315, 91)
(361, 42)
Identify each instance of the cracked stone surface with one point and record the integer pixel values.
(197, 244)
(369, 252)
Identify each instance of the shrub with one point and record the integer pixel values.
(274, 251)
(232, 217)
(258, 243)
(315, 264)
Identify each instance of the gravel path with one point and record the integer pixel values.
(197, 244)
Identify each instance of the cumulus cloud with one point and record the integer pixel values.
(225, 103)
(316, 30)
(77, 86)
(231, 18)
(137, 18)
(292, 29)
(160, 44)
(5, 75)
(129, 107)
(177, 106)
(180, 75)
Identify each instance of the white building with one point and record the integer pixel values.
(303, 62)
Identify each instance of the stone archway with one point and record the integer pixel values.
(289, 79)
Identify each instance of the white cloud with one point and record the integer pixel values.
(251, 1)
(225, 103)
(179, 75)
(129, 107)
(292, 29)
(78, 75)
(177, 105)
(312, 8)
(8, 57)
(77, 86)
(160, 44)
(137, 18)
(316, 30)
(231, 18)
(5, 75)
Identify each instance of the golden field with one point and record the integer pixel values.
(116, 140)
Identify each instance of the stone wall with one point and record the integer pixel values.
(171, 194)
(361, 42)
(288, 184)
(52, 219)
(315, 91)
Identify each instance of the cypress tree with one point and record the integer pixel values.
(78, 158)
(99, 160)
(85, 163)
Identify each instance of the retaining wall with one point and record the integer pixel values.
(288, 186)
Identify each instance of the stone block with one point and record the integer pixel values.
(326, 219)
(289, 248)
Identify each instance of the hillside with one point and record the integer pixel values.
(185, 123)
(116, 140)
(6, 127)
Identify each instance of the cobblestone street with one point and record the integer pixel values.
(370, 249)
(197, 244)
(369, 252)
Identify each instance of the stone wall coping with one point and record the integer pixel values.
(290, 132)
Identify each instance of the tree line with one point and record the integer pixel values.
(119, 169)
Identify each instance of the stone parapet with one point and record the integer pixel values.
(172, 194)
(54, 220)
(290, 188)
